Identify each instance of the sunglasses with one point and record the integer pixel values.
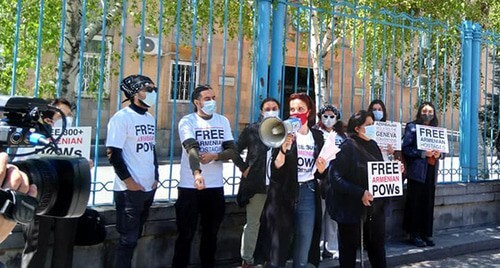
(326, 116)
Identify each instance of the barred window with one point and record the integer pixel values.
(186, 79)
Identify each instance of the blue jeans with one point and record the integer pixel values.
(304, 223)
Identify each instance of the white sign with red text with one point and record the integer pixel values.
(75, 141)
(432, 138)
(385, 179)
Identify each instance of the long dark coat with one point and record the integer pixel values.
(277, 220)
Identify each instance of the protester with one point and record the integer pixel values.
(377, 107)
(422, 168)
(131, 151)
(207, 140)
(37, 233)
(292, 214)
(14, 179)
(252, 191)
(353, 206)
(330, 124)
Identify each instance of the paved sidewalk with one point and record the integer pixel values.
(451, 243)
(448, 244)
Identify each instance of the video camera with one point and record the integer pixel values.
(63, 183)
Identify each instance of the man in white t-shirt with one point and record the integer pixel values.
(131, 150)
(207, 139)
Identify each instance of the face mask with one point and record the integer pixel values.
(302, 117)
(427, 117)
(150, 99)
(271, 114)
(209, 107)
(378, 115)
(370, 132)
(328, 122)
(59, 122)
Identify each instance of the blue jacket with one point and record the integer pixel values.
(416, 162)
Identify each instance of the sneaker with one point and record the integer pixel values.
(326, 254)
(428, 241)
(417, 241)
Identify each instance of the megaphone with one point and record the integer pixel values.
(273, 131)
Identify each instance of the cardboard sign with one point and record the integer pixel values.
(74, 142)
(432, 138)
(388, 133)
(385, 179)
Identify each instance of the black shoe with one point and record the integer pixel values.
(417, 241)
(428, 241)
(326, 254)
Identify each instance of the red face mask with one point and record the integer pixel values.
(302, 117)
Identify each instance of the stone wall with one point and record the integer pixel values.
(457, 206)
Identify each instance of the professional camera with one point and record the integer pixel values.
(63, 183)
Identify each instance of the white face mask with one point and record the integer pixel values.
(59, 122)
(150, 99)
(271, 114)
(328, 122)
(370, 132)
(378, 115)
(209, 107)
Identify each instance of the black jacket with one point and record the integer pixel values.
(256, 160)
(349, 180)
(277, 220)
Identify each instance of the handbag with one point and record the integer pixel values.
(91, 228)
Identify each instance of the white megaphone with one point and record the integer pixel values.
(273, 131)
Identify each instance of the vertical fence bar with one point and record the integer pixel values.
(275, 72)
(262, 53)
(122, 49)
(465, 97)
(16, 48)
(39, 47)
(474, 101)
(61, 49)
(209, 41)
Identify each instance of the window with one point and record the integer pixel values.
(91, 66)
(187, 78)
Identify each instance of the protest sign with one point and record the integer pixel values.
(74, 142)
(432, 138)
(385, 179)
(388, 133)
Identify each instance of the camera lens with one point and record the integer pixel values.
(63, 184)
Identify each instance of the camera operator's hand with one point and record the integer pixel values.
(132, 185)
(12, 178)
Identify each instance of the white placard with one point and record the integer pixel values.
(385, 179)
(432, 138)
(388, 133)
(74, 142)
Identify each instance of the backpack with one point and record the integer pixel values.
(91, 228)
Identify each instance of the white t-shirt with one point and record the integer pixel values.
(210, 134)
(305, 157)
(134, 133)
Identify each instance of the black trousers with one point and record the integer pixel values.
(419, 207)
(132, 210)
(37, 236)
(373, 237)
(209, 204)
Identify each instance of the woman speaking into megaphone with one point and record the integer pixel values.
(292, 213)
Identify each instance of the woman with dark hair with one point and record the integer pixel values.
(252, 192)
(332, 127)
(422, 168)
(377, 107)
(292, 214)
(353, 206)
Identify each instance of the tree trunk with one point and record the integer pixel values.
(71, 49)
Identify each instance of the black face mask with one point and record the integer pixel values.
(427, 117)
